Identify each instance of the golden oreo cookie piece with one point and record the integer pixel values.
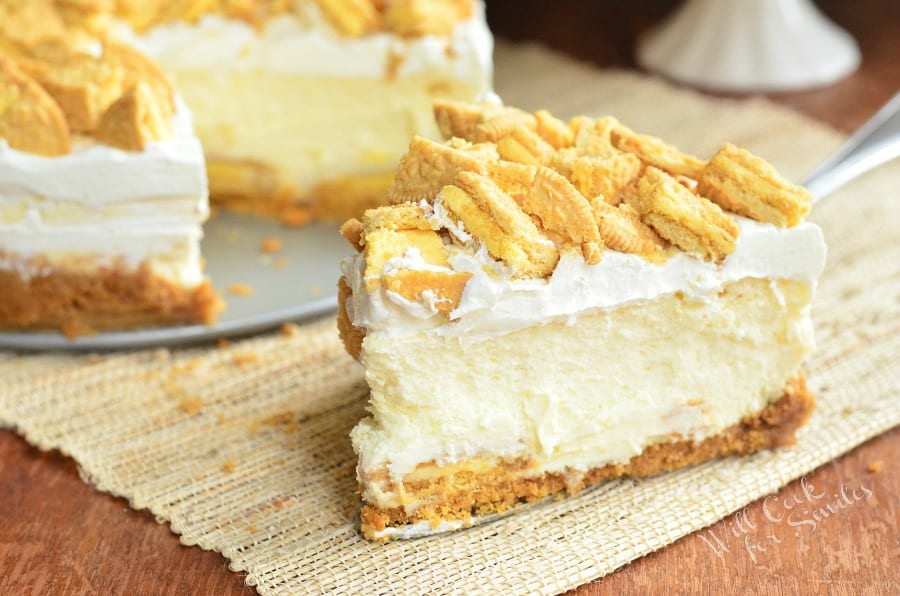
(30, 120)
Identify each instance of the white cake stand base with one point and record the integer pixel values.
(749, 45)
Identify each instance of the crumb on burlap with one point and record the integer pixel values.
(244, 358)
(278, 419)
(190, 404)
(241, 290)
(228, 466)
(270, 245)
(186, 367)
(875, 466)
(289, 330)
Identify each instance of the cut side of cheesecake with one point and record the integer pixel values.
(552, 304)
(102, 183)
(304, 108)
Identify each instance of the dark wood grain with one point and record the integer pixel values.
(58, 536)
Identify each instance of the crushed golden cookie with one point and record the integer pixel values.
(496, 123)
(690, 222)
(553, 130)
(592, 136)
(241, 290)
(229, 466)
(875, 466)
(655, 152)
(446, 288)
(84, 87)
(480, 123)
(352, 231)
(27, 23)
(383, 245)
(741, 182)
(428, 167)
(403, 216)
(353, 18)
(605, 176)
(622, 229)
(138, 68)
(184, 10)
(493, 217)
(456, 118)
(415, 18)
(30, 120)
(514, 179)
(523, 145)
(563, 212)
(270, 245)
(133, 120)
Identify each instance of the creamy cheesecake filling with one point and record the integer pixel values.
(309, 129)
(100, 207)
(675, 367)
(311, 104)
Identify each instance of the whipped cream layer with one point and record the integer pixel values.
(306, 44)
(101, 206)
(495, 303)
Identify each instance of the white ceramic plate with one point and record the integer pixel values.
(297, 282)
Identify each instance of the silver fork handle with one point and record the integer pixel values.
(876, 142)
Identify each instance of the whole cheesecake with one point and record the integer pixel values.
(553, 304)
(304, 108)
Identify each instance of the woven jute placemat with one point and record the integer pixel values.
(244, 449)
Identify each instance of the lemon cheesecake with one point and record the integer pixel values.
(102, 183)
(304, 108)
(551, 304)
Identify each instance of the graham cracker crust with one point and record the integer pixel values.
(79, 303)
(465, 493)
(258, 189)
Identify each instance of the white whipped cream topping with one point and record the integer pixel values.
(106, 205)
(307, 44)
(494, 303)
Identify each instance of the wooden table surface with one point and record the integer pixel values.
(58, 536)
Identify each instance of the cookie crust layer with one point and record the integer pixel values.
(79, 303)
(479, 491)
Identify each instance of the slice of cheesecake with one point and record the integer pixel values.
(102, 183)
(304, 108)
(557, 304)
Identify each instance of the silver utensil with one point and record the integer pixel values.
(876, 142)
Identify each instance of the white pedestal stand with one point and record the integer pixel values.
(749, 45)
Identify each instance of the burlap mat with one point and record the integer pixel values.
(244, 449)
